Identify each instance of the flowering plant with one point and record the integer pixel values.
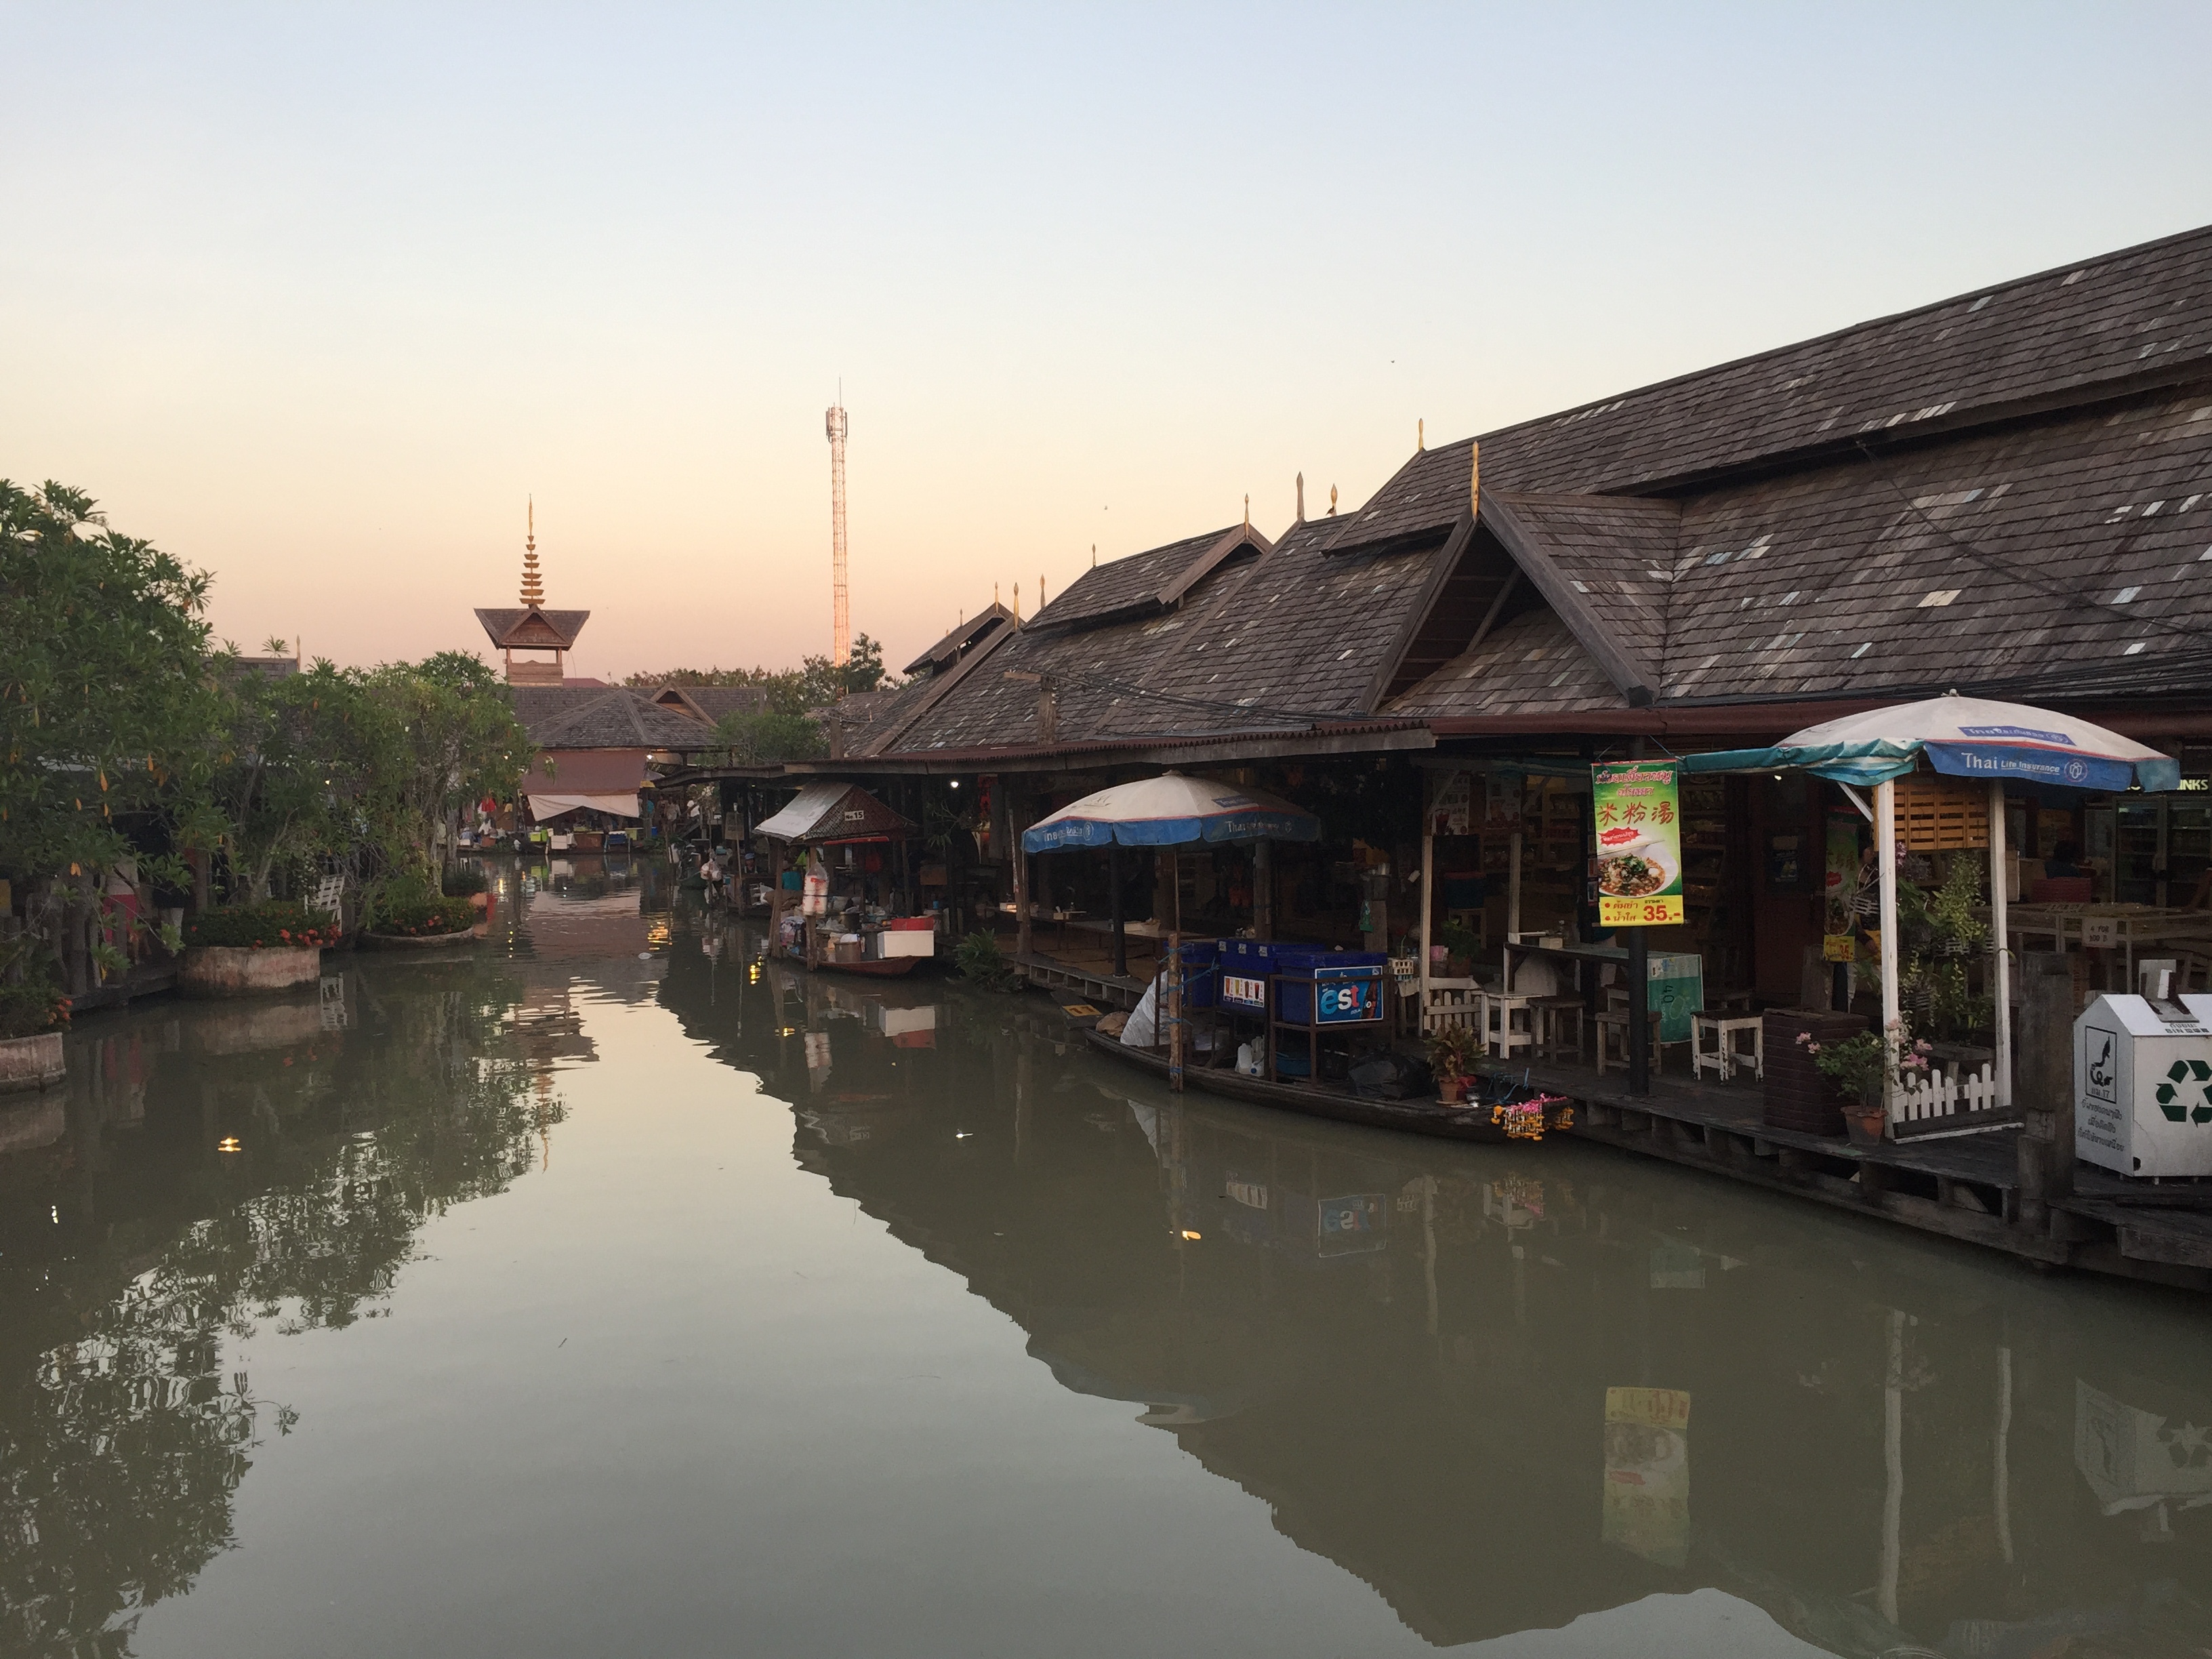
(1862, 1064)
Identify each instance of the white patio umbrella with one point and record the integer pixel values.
(1964, 736)
(1170, 811)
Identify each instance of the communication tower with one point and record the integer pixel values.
(840, 626)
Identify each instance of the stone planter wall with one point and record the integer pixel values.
(417, 942)
(31, 1062)
(222, 970)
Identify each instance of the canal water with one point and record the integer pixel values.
(603, 1289)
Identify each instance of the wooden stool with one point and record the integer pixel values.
(1552, 1016)
(1614, 1024)
(1724, 1056)
(1500, 1035)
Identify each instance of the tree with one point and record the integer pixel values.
(300, 757)
(457, 741)
(763, 738)
(106, 705)
(816, 684)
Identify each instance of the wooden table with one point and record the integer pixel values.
(2132, 924)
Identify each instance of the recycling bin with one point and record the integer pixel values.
(2142, 1086)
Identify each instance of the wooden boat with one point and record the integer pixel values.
(1483, 1123)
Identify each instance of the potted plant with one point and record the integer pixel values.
(409, 915)
(1460, 948)
(32, 1014)
(1452, 1051)
(243, 949)
(1862, 1067)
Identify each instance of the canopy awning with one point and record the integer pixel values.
(542, 807)
(832, 812)
(1965, 737)
(1170, 810)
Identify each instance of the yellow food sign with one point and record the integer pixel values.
(1639, 843)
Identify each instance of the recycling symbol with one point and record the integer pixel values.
(2170, 1101)
(2188, 1446)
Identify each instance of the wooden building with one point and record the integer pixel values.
(2007, 493)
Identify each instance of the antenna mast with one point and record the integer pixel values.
(841, 625)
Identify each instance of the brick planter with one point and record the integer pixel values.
(224, 970)
(1798, 1096)
(31, 1062)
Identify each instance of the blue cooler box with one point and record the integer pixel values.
(1243, 965)
(1200, 981)
(1347, 985)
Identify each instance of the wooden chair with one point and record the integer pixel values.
(1553, 1015)
(1723, 1056)
(1612, 1038)
(1508, 1023)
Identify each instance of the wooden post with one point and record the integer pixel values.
(1120, 938)
(1173, 1002)
(1263, 890)
(1428, 915)
(2045, 1084)
(1513, 887)
(1021, 862)
(2001, 962)
(1885, 841)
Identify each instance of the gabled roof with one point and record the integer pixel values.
(561, 717)
(950, 649)
(1144, 584)
(2091, 330)
(710, 702)
(532, 630)
(2063, 559)
(831, 812)
(1271, 643)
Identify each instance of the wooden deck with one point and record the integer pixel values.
(1964, 1188)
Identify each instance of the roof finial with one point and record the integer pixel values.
(1332, 501)
(1017, 604)
(1420, 434)
(1474, 479)
(1040, 592)
(533, 588)
(1302, 498)
(1248, 509)
(1094, 555)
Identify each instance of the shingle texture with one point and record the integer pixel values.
(564, 625)
(2090, 328)
(1268, 643)
(1126, 583)
(2068, 559)
(592, 717)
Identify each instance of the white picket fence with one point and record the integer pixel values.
(1946, 1094)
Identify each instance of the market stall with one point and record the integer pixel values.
(856, 883)
(1998, 742)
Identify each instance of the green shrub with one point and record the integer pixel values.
(262, 927)
(35, 1006)
(979, 958)
(464, 880)
(425, 918)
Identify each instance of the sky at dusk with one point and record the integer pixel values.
(315, 296)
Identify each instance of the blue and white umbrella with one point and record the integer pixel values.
(1965, 737)
(1170, 810)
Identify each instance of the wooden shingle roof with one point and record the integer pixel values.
(2100, 328)
(603, 717)
(529, 629)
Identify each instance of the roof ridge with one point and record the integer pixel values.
(1885, 320)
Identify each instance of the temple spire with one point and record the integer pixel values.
(533, 587)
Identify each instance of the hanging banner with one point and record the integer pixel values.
(1639, 843)
(1452, 811)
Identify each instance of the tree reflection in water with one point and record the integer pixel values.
(125, 1425)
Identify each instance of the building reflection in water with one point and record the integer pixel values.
(1467, 1374)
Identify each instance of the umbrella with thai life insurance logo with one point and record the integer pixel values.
(1965, 736)
(1170, 811)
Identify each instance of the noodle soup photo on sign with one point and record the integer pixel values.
(1639, 843)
